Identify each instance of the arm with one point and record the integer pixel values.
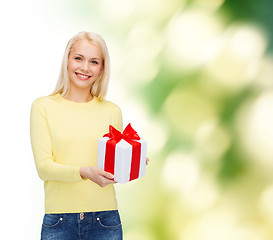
(48, 169)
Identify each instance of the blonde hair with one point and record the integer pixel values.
(99, 87)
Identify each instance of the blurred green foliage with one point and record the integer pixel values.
(258, 12)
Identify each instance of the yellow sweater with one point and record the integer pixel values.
(64, 136)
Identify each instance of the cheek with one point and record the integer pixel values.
(99, 70)
(71, 66)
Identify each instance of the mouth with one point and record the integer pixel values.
(83, 76)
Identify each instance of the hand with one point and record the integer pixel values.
(147, 160)
(97, 175)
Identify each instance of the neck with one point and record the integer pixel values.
(79, 96)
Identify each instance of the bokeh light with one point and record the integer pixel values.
(257, 132)
(235, 64)
(187, 110)
(189, 34)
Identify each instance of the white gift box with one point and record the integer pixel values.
(123, 159)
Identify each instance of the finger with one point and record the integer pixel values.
(108, 175)
(113, 181)
(105, 174)
(110, 181)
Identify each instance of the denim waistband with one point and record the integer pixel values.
(82, 215)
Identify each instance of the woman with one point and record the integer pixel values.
(80, 200)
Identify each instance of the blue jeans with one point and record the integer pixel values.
(104, 225)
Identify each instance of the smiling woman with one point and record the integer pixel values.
(80, 201)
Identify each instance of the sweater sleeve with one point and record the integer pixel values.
(47, 167)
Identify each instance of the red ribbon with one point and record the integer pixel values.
(129, 135)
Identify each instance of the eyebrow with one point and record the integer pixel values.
(83, 56)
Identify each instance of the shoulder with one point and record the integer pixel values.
(43, 100)
(110, 105)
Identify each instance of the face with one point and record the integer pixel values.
(85, 64)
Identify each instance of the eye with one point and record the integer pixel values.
(78, 58)
(94, 62)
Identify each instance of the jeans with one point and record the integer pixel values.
(104, 225)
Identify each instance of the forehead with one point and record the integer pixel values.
(86, 48)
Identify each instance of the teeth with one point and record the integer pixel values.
(83, 76)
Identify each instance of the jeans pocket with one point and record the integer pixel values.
(52, 220)
(111, 219)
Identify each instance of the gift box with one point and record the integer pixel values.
(122, 154)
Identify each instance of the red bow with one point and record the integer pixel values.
(129, 135)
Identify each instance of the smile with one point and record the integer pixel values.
(82, 76)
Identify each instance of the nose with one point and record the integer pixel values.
(84, 66)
